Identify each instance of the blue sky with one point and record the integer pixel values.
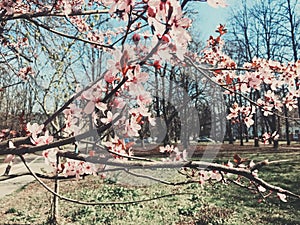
(208, 18)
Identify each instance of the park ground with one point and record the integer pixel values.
(208, 204)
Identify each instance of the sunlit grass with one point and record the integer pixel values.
(210, 204)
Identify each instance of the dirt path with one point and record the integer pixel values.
(37, 162)
(9, 186)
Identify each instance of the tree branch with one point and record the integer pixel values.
(51, 14)
(67, 35)
(96, 203)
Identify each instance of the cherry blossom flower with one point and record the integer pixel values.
(281, 196)
(174, 153)
(136, 38)
(109, 77)
(261, 188)
(215, 175)
(50, 156)
(204, 176)
(94, 101)
(167, 148)
(46, 139)
(34, 129)
(73, 111)
(9, 158)
(109, 118)
(234, 112)
(24, 72)
(266, 137)
(132, 127)
(71, 126)
(249, 121)
(119, 103)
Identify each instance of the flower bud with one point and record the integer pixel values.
(136, 38)
(166, 38)
(151, 11)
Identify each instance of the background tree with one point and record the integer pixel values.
(148, 44)
(265, 29)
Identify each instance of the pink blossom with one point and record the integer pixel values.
(34, 129)
(24, 72)
(71, 126)
(266, 137)
(46, 139)
(234, 112)
(254, 80)
(109, 118)
(73, 111)
(9, 158)
(132, 127)
(109, 77)
(261, 188)
(281, 196)
(249, 121)
(215, 175)
(50, 156)
(167, 148)
(95, 100)
(119, 103)
(137, 76)
(136, 38)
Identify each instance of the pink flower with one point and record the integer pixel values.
(266, 137)
(281, 196)
(109, 117)
(216, 176)
(166, 148)
(50, 156)
(109, 77)
(249, 121)
(89, 168)
(9, 158)
(136, 38)
(132, 127)
(24, 72)
(137, 76)
(46, 139)
(73, 110)
(234, 111)
(34, 129)
(95, 101)
(261, 188)
(119, 103)
(71, 125)
(151, 11)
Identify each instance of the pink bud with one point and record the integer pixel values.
(109, 77)
(156, 64)
(136, 38)
(151, 11)
(166, 38)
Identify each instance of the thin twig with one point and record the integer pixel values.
(204, 70)
(71, 100)
(160, 180)
(67, 35)
(51, 14)
(97, 203)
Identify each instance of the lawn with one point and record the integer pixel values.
(207, 204)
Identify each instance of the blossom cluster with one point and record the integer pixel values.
(173, 153)
(68, 167)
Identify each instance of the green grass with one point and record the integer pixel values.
(209, 204)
